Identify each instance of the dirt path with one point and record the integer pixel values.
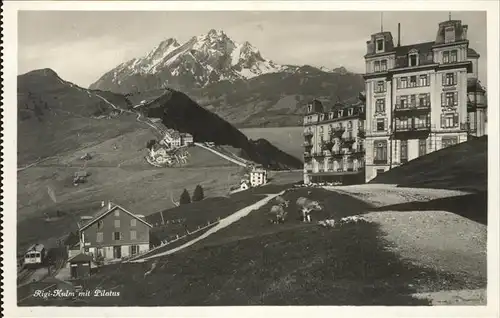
(222, 224)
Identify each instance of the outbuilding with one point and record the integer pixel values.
(80, 266)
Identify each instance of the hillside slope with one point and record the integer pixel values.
(461, 167)
(178, 111)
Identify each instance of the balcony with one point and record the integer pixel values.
(337, 132)
(415, 131)
(307, 144)
(408, 108)
(347, 142)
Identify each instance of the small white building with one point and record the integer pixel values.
(244, 185)
(258, 176)
(174, 139)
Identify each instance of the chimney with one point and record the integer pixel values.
(103, 204)
(399, 34)
(109, 205)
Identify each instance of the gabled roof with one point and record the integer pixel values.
(108, 211)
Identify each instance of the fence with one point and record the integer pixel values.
(171, 241)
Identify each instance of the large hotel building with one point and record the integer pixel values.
(419, 98)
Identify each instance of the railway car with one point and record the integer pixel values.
(35, 256)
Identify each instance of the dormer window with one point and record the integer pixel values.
(340, 113)
(449, 34)
(331, 115)
(349, 112)
(309, 108)
(450, 56)
(413, 58)
(380, 45)
(322, 116)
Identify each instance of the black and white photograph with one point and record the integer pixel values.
(213, 155)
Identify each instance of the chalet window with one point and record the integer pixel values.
(116, 236)
(413, 60)
(99, 237)
(117, 223)
(117, 212)
(448, 141)
(349, 112)
(404, 151)
(413, 81)
(380, 45)
(449, 120)
(133, 235)
(449, 34)
(449, 99)
(376, 66)
(134, 249)
(422, 147)
(380, 87)
(380, 155)
(449, 79)
(404, 82)
(383, 65)
(380, 124)
(380, 105)
(423, 80)
(133, 222)
(99, 225)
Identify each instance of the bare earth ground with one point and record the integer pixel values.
(434, 238)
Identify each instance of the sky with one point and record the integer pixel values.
(83, 45)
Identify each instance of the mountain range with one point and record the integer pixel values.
(231, 79)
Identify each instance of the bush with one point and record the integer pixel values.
(185, 198)
(198, 194)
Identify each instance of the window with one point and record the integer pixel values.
(404, 82)
(99, 237)
(117, 212)
(413, 100)
(376, 66)
(449, 79)
(423, 80)
(134, 249)
(133, 235)
(349, 112)
(413, 81)
(401, 101)
(99, 225)
(453, 56)
(446, 57)
(383, 65)
(449, 120)
(116, 236)
(422, 121)
(422, 147)
(380, 45)
(133, 222)
(413, 60)
(117, 223)
(380, 105)
(448, 141)
(450, 56)
(424, 100)
(449, 99)
(402, 123)
(449, 34)
(404, 151)
(380, 124)
(380, 87)
(380, 155)
(349, 125)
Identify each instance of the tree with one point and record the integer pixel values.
(198, 194)
(185, 198)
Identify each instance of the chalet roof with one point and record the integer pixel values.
(80, 258)
(105, 211)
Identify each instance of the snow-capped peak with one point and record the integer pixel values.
(204, 59)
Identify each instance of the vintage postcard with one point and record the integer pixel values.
(219, 158)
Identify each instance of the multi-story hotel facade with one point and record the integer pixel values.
(421, 97)
(333, 143)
